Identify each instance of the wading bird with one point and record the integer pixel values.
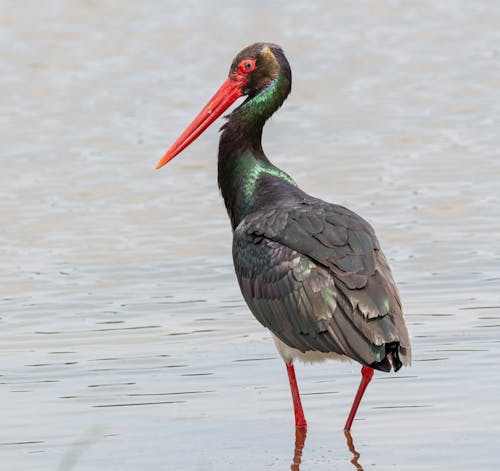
(312, 272)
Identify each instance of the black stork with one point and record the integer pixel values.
(312, 272)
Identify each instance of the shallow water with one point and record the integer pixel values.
(125, 341)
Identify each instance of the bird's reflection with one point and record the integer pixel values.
(300, 439)
(352, 449)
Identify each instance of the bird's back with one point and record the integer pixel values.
(313, 273)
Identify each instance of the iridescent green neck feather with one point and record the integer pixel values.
(242, 162)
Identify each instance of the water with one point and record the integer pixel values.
(125, 341)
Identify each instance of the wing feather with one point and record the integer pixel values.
(313, 273)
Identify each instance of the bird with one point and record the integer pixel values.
(311, 272)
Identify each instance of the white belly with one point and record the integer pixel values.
(289, 354)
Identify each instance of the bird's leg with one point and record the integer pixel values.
(366, 376)
(300, 420)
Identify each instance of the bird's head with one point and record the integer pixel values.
(257, 66)
(252, 72)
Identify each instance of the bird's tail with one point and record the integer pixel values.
(391, 359)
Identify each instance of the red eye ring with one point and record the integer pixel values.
(246, 66)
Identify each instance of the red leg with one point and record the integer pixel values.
(300, 420)
(366, 376)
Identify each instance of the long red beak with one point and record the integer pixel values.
(224, 97)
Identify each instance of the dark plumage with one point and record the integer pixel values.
(312, 272)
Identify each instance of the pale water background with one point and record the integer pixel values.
(125, 343)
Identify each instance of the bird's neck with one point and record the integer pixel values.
(242, 161)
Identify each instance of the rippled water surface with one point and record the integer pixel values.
(125, 342)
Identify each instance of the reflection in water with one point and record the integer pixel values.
(300, 439)
(355, 454)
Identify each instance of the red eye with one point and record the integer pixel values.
(246, 66)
